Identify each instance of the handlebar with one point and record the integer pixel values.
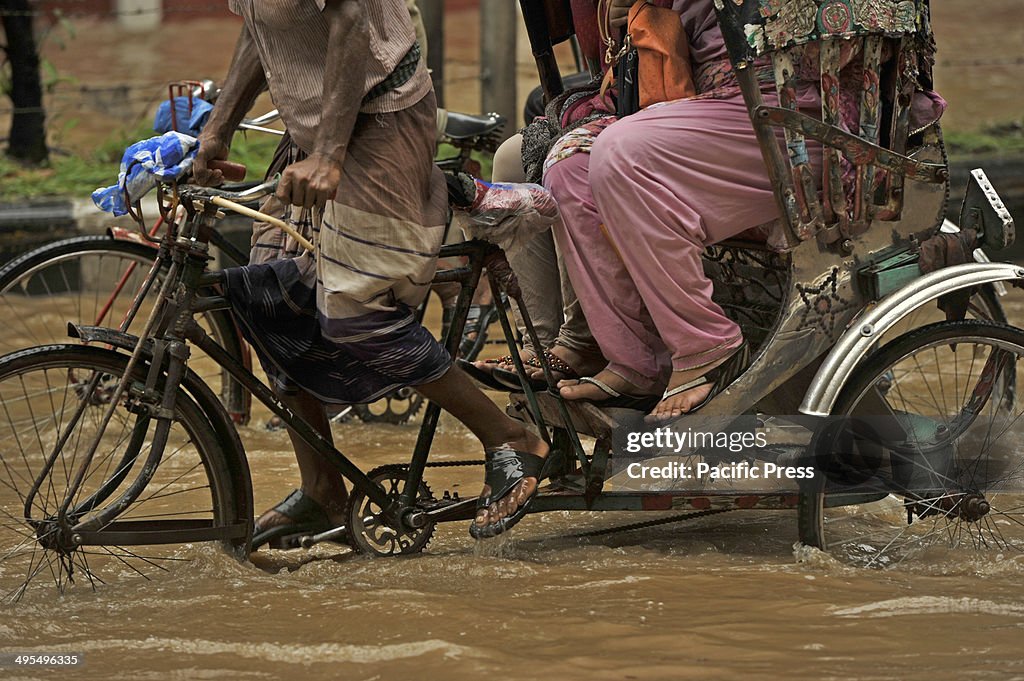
(195, 191)
(232, 172)
(231, 201)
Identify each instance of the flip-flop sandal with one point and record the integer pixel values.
(485, 378)
(558, 365)
(504, 468)
(720, 378)
(512, 381)
(307, 516)
(616, 399)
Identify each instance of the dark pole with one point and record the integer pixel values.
(499, 22)
(27, 141)
(433, 23)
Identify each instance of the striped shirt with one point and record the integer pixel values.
(291, 37)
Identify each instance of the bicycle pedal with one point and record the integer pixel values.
(286, 543)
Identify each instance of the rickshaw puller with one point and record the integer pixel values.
(338, 326)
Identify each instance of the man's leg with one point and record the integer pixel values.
(319, 480)
(456, 394)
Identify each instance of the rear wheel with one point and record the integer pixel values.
(92, 280)
(191, 496)
(924, 451)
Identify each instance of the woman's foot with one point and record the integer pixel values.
(509, 465)
(597, 388)
(679, 401)
(504, 362)
(565, 364)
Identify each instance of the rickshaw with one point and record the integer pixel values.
(115, 452)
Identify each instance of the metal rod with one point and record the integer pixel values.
(256, 215)
(433, 24)
(307, 433)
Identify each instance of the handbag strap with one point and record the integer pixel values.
(604, 31)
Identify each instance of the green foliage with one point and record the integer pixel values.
(79, 175)
(486, 161)
(1003, 138)
(254, 150)
(64, 176)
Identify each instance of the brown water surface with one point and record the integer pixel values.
(717, 598)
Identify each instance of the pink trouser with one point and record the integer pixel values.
(638, 211)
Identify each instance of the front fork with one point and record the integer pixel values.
(154, 400)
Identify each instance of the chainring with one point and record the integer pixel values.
(399, 406)
(369, 534)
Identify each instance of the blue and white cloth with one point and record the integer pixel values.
(143, 165)
(190, 113)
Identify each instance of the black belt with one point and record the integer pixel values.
(399, 77)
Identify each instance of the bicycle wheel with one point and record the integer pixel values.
(92, 280)
(925, 450)
(191, 496)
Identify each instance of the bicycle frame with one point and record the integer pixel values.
(163, 345)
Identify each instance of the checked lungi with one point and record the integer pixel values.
(341, 324)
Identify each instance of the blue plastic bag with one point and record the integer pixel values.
(188, 123)
(145, 163)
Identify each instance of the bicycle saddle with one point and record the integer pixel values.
(462, 126)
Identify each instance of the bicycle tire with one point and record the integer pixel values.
(920, 463)
(192, 497)
(60, 270)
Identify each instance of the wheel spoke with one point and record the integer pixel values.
(948, 384)
(179, 488)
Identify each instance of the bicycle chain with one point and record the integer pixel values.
(441, 464)
(691, 515)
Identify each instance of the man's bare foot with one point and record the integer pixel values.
(506, 506)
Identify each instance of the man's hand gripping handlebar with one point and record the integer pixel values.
(232, 200)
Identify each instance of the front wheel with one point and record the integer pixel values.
(924, 450)
(50, 536)
(93, 280)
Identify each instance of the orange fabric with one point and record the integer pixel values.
(664, 54)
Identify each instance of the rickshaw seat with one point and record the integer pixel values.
(869, 57)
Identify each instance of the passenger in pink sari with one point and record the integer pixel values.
(639, 206)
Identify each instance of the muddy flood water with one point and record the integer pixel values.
(722, 597)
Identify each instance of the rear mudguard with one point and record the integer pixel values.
(858, 340)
